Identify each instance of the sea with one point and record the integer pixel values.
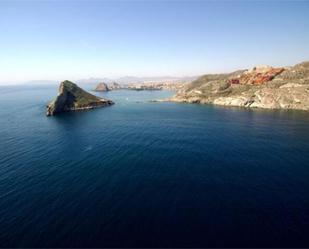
(150, 174)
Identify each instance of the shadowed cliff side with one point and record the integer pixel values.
(73, 98)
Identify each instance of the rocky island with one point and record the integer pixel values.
(73, 98)
(102, 87)
(260, 87)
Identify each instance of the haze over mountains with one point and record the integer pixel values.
(121, 80)
(133, 79)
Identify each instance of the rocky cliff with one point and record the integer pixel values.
(262, 87)
(102, 87)
(73, 98)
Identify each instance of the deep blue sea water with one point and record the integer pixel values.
(142, 174)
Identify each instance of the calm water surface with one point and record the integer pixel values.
(142, 174)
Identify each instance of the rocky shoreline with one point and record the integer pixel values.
(261, 87)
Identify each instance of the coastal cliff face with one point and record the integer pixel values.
(73, 98)
(260, 87)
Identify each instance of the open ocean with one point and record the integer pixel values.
(144, 174)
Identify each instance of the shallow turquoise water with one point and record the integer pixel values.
(142, 174)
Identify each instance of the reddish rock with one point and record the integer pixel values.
(234, 81)
(257, 75)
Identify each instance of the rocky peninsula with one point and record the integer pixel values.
(73, 98)
(260, 87)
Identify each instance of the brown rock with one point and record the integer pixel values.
(102, 87)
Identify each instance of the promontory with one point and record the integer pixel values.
(260, 87)
(73, 98)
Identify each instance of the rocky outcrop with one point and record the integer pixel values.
(257, 75)
(260, 87)
(270, 98)
(102, 87)
(73, 98)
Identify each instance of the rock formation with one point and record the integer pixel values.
(73, 98)
(102, 87)
(257, 75)
(262, 87)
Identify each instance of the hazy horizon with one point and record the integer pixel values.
(54, 40)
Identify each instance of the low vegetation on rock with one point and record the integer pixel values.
(73, 98)
(262, 87)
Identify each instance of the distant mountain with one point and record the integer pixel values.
(126, 80)
(130, 79)
(94, 80)
(133, 80)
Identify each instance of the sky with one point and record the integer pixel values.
(57, 40)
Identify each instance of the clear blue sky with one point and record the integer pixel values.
(81, 39)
